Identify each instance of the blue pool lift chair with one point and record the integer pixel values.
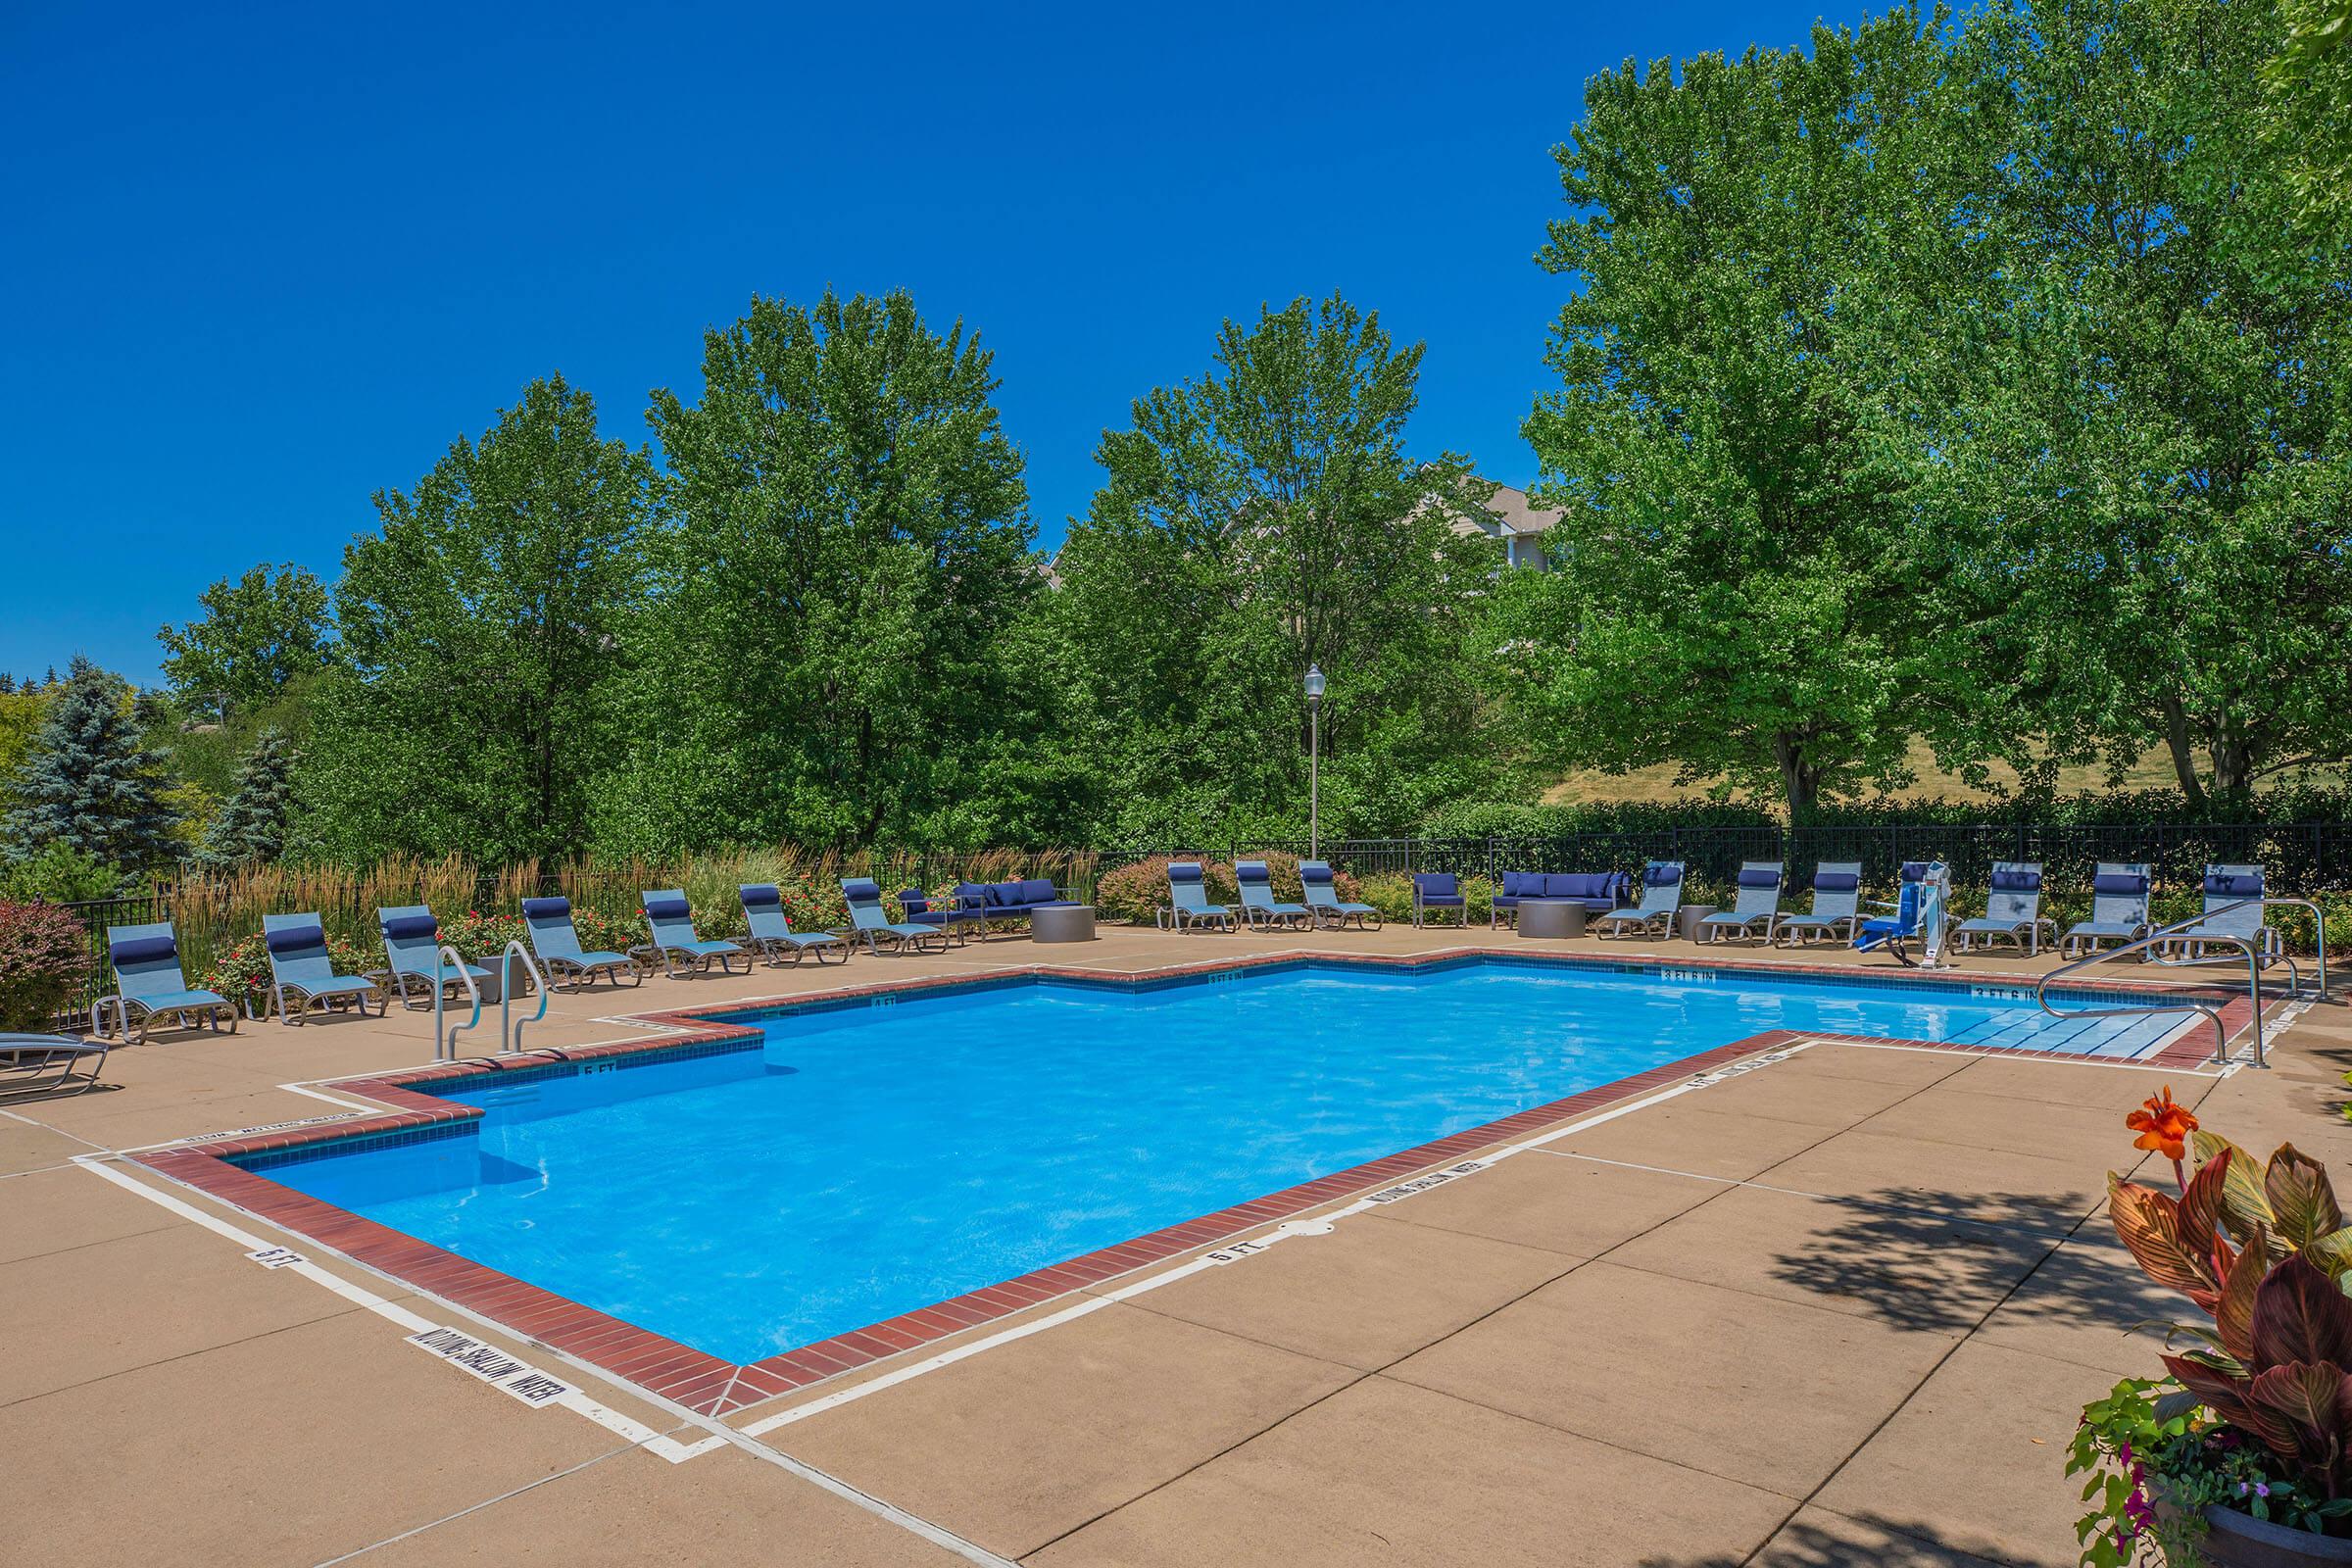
(1437, 892)
(1322, 898)
(1260, 906)
(412, 956)
(676, 943)
(772, 935)
(1837, 905)
(2224, 886)
(302, 972)
(557, 944)
(870, 921)
(2012, 910)
(1755, 908)
(1661, 900)
(151, 985)
(2118, 908)
(1187, 898)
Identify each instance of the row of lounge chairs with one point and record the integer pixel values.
(151, 983)
(2120, 895)
(1189, 905)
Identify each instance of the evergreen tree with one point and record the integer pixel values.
(250, 828)
(89, 784)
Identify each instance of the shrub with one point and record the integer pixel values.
(1392, 894)
(62, 874)
(1137, 893)
(44, 957)
(240, 971)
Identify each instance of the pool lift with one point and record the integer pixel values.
(1919, 917)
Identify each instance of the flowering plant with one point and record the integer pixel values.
(240, 971)
(2256, 1415)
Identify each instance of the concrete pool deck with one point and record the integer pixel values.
(1841, 1308)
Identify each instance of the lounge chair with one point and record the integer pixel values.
(557, 944)
(302, 973)
(1756, 903)
(675, 942)
(1836, 905)
(868, 919)
(1260, 906)
(1324, 901)
(2224, 886)
(1653, 916)
(34, 1066)
(1187, 898)
(2012, 910)
(413, 954)
(1598, 891)
(772, 935)
(1436, 892)
(146, 960)
(2118, 908)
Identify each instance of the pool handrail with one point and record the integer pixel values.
(512, 1040)
(444, 1037)
(2247, 945)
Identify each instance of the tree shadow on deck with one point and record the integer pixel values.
(1831, 1540)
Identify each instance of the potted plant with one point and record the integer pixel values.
(2242, 1456)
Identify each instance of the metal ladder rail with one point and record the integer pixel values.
(444, 1036)
(510, 1037)
(2220, 1032)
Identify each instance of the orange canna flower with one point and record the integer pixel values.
(2163, 1126)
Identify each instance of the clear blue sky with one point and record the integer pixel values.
(263, 260)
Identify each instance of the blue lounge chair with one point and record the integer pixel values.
(413, 952)
(1187, 898)
(1260, 906)
(1836, 905)
(557, 944)
(302, 972)
(146, 960)
(2119, 907)
(1323, 898)
(1436, 892)
(772, 935)
(870, 921)
(2012, 910)
(2224, 886)
(1756, 904)
(49, 1066)
(1661, 901)
(675, 943)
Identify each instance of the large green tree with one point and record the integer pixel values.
(88, 786)
(1759, 244)
(852, 551)
(2149, 487)
(485, 628)
(1267, 517)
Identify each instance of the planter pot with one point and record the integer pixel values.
(2234, 1539)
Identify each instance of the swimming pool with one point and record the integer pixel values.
(866, 1160)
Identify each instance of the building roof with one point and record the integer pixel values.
(1517, 514)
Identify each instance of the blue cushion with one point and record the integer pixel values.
(670, 908)
(763, 896)
(2233, 884)
(1759, 879)
(1184, 872)
(295, 938)
(1434, 885)
(971, 893)
(1515, 884)
(2120, 884)
(1038, 889)
(1577, 885)
(2017, 881)
(545, 908)
(1836, 882)
(1443, 901)
(402, 927)
(143, 950)
(1001, 893)
(1661, 876)
(914, 901)
(861, 890)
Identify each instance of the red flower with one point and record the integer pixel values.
(2163, 1126)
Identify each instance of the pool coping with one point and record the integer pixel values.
(711, 1386)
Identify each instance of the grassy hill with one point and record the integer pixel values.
(2152, 771)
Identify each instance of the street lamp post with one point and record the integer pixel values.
(1314, 763)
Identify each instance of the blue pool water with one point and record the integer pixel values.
(870, 1160)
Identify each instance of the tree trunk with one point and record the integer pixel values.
(2185, 754)
(2232, 758)
(1801, 776)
